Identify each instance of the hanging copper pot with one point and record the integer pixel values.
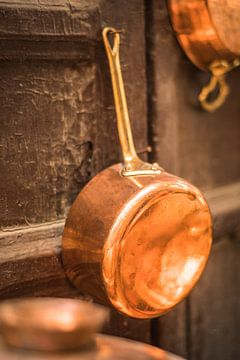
(136, 237)
(209, 33)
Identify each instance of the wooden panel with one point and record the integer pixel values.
(57, 18)
(30, 263)
(49, 139)
(214, 306)
(59, 129)
(58, 120)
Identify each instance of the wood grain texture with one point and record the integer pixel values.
(59, 129)
(48, 129)
(58, 119)
(58, 18)
(49, 30)
(30, 263)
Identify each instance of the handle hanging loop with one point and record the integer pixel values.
(133, 165)
(218, 69)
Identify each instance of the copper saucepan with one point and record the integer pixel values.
(136, 237)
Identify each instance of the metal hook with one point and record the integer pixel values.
(218, 69)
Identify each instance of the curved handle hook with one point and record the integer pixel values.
(133, 165)
(218, 69)
(111, 51)
(224, 90)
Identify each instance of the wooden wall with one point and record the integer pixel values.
(58, 130)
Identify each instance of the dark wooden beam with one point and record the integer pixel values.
(51, 30)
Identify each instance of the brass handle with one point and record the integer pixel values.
(218, 69)
(133, 165)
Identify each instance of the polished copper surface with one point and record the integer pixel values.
(140, 243)
(225, 15)
(44, 329)
(136, 237)
(103, 348)
(49, 324)
(208, 30)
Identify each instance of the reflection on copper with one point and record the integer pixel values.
(151, 247)
(162, 252)
(196, 32)
(49, 324)
(136, 237)
(50, 329)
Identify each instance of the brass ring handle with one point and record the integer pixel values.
(114, 51)
(218, 70)
(133, 165)
(224, 90)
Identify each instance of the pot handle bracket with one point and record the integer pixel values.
(218, 70)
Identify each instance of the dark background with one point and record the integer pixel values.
(58, 129)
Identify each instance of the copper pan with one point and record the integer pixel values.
(209, 33)
(136, 237)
